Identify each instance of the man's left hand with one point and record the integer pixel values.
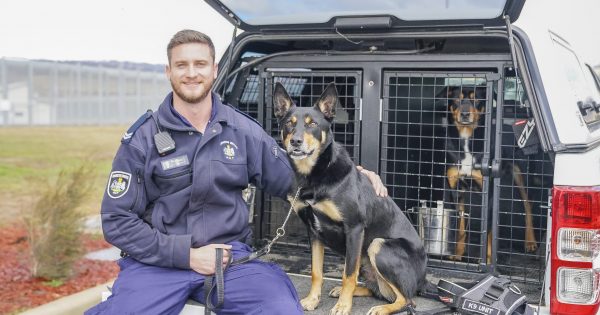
(380, 189)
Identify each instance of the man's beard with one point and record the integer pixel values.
(192, 99)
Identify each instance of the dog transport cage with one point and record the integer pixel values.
(417, 150)
(414, 159)
(305, 89)
(537, 169)
(253, 96)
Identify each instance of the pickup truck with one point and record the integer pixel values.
(526, 201)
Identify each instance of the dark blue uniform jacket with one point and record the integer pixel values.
(192, 197)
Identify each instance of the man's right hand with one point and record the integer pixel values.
(202, 259)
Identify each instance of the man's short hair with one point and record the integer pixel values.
(190, 36)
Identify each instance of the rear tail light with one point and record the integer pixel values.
(578, 244)
(577, 286)
(575, 282)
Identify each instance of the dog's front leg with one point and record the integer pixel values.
(461, 233)
(354, 241)
(530, 241)
(311, 301)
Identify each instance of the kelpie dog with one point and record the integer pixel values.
(341, 211)
(464, 147)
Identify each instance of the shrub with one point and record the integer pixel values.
(54, 223)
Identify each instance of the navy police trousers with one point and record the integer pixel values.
(254, 287)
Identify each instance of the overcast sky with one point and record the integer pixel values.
(138, 30)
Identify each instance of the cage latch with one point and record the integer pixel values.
(496, 168)
(487, 169)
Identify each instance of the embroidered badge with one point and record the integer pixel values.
(118, 184)
(229, 149)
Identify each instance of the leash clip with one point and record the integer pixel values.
(281, 230)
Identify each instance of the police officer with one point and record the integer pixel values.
(169, 208)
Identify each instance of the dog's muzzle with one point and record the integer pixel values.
(299, 154)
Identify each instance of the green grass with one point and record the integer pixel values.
(30, 156)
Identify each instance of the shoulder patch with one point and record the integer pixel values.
(129, 133)
(118, 184)
(246, 115)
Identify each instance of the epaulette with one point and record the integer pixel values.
(129, 134)
(246, 115)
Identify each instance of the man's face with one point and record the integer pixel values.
(192, 72)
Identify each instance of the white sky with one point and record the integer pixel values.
(139, 30)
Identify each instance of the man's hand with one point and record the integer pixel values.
(380, 189)
(202, 259)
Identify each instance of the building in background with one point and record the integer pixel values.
(77, 93)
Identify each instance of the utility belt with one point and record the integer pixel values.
(248, 240)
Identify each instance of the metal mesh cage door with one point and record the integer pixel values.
(434, 170)
(305, 87)
(521, 189)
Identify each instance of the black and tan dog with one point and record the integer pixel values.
(342, 212)
(465, 147)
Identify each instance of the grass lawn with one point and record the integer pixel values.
(33, 156)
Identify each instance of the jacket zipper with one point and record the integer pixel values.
(175, 175)
(137, 191)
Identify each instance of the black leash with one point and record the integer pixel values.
(220, 283)
(217, 282)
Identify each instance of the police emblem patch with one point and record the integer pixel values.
(229, 149)
(118, 184)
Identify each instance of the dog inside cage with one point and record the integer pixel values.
(434, 141)
(457, 162)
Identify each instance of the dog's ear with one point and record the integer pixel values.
(328, 100)
(476, 101)
(456, 102)
(473, 98)
(281, 101)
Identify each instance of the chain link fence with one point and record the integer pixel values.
(83, 93)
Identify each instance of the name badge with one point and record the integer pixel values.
(175, 162)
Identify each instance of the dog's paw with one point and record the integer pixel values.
(341, 308)
(335, 292)
(530, 246)
(455, 257)
(378, 310)
(310, 303)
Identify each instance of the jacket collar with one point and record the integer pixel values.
(170, 119)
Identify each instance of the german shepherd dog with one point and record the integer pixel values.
(463, 147)
(341, 210)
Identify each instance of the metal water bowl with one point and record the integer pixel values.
(437, 226)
